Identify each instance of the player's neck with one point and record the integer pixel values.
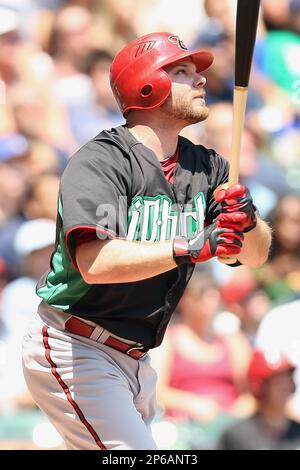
(160, 137)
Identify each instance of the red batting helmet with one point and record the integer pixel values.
(263, 366)
(137, 77)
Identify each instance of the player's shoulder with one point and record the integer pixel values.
(109, 147)
(206, 157)
(116, 137)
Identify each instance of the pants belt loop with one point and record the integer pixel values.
(98, 331)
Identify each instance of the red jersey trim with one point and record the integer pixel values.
(110, 235)
(168, 166)
(67, 390)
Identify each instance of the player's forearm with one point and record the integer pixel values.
(256, 245)
(117, 261)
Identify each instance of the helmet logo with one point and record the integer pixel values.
(144, 47)
(176, 40)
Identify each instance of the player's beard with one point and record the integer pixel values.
(183, 109)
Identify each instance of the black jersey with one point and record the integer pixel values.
(115, 186)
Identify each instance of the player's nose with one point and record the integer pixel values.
(199, 81)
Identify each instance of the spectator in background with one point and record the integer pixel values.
(287, 143)
(294, 17)
(44, 159)
(12, 191)
(166, 15)
(71, 39)
(40, 116)
(32, 158)
(98, 68)
(266, 182)
(4, 280)
(271, 381)
(41, 198)
(70, 44)
(280, 49)
(281, 274)
(278, 333)
(218, 35)
(276, 13)
(88, 119)
(9, 44)
(117, 22)
(9, 40)
(222, 12)
(282, 15)
(34, 242)
(27, 190)
(20, 58)
(12, 147)
(122, 14)
(13, 187)
(201, 374)
(41, 159)
(214, 37)
(246, 299)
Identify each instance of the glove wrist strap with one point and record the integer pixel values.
(252, 226)
(181, 251)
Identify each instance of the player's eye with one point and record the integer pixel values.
(181, 71)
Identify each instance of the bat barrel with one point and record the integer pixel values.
(246, 25)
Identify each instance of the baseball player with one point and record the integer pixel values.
(136, 212)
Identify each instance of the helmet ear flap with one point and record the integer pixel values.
(153, 90)
(145, 91)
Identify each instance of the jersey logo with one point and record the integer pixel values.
(155, 218)
(176, 40)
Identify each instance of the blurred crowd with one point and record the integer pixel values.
(54, 96)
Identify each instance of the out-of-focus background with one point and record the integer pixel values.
(54, 96)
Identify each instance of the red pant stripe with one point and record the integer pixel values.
(67, 390)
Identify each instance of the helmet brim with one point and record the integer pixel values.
(202, 59)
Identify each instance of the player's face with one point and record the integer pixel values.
(187, 99)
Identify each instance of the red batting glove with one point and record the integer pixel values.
(223, 238)
(237, 199)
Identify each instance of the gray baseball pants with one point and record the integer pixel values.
(96, 397)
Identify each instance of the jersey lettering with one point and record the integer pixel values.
(155, 219)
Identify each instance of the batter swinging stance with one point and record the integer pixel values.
(136, 211)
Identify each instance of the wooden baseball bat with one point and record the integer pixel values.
(246, 27)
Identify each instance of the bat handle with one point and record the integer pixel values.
(240, 95)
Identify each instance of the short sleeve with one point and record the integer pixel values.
(94, 193)
(219, 175)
